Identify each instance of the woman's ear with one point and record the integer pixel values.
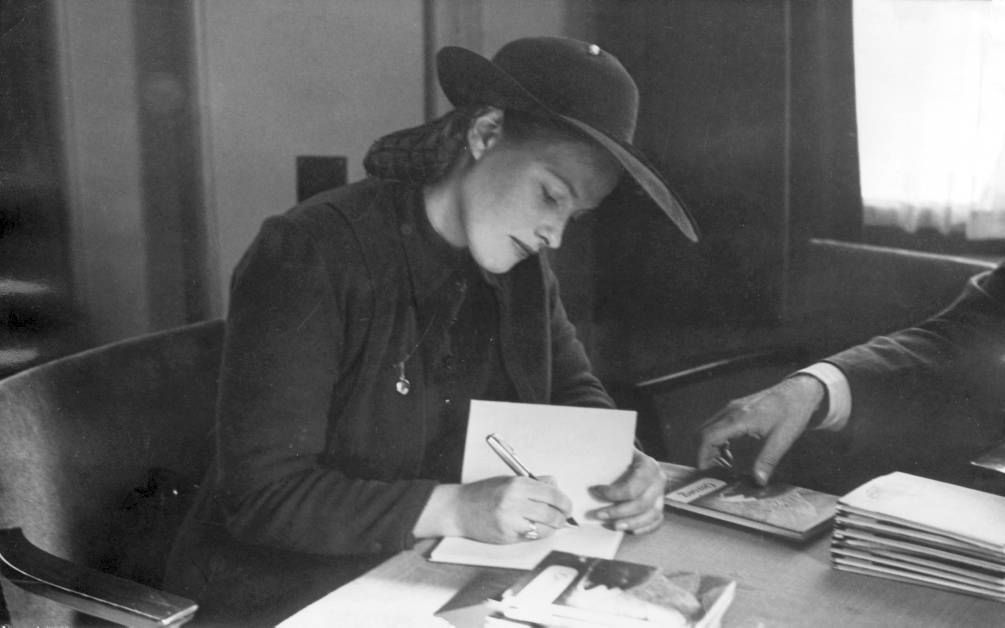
(485, 131)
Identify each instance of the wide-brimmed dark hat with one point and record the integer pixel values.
(569, 80)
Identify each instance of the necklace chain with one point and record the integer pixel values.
(403, 385)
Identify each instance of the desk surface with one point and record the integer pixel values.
(778, 584)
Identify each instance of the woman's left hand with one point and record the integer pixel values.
(637, 497)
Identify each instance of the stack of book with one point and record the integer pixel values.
(904, 527)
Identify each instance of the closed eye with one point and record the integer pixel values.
(548, 197)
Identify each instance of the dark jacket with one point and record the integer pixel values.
(928, 398)
(317, 452)
(963, 342)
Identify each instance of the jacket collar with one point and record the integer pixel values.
(431, 259)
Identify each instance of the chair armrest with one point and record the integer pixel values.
(88, 590)
(722, 367)
(695, 388)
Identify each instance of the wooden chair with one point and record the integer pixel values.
(100, 452)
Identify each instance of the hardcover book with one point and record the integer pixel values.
(578, 591)
(780, 509)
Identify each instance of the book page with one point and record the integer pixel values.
(587, 540)
(908, 562)
(934, 505)
(867, 568)
(872, 542)
(578, 447)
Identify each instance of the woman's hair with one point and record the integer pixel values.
(422, 154)
(426, 153)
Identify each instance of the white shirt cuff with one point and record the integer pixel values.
(838, 394)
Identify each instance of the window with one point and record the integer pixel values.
(930, 90)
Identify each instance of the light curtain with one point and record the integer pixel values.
(930, 93)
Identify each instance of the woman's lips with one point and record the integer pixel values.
(525, 251)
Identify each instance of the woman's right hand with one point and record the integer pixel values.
(495, 510)
(502, 509)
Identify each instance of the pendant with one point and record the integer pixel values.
(403, 386)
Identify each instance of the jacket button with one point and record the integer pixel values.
(406, 229)
(377, 546)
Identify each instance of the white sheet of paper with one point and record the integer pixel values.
(579, 447)
(586, 540)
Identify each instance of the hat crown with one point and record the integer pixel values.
(575, 79)
(569, 80)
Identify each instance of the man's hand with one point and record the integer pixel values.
(778, 415)
(637, 497)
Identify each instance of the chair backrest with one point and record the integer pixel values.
(855, 291)
(80, 437)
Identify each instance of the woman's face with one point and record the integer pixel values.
(517, 197)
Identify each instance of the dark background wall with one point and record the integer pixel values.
(37, 317)
(63, 222)
(748, 108)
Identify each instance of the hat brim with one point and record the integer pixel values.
(467, 78)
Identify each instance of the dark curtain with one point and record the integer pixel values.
(749, 110)
(37, 318)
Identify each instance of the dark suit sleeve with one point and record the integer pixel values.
(963, 342)
(282, 357)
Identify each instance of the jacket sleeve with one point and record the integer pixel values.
(281, 362)
(573, 382)
(963, 342)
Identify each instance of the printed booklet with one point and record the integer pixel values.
(576, 591)
(780, 509)
(913, 529)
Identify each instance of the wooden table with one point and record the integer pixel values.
(778, 584)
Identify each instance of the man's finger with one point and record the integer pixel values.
(716, 435)
(775, 447)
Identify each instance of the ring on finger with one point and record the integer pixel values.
(531, 533)
(725, 457)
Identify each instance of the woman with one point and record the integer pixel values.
(363, 321)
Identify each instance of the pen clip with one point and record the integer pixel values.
(496, 443)
(506, 453)
(508, 456)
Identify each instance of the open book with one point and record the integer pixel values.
(581, 591)
(578, 447)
